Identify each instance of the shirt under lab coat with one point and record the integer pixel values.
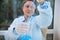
(43, 20)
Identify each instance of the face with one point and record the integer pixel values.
(28, 8)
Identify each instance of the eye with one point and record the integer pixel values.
(27, 6)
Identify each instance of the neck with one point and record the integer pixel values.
(26, 17)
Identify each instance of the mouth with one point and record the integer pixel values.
(28, 12)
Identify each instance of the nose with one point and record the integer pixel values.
(30, 9)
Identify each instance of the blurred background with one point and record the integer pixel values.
(10, 9)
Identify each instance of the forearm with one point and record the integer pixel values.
(11, 34)
(44, 32)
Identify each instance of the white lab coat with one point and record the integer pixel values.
(41, 21)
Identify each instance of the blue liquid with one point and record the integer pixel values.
(25, 37)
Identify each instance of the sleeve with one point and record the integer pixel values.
(44, 8)
(11, 33)
(44, 18)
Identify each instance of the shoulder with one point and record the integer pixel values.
(20, 18)
(17, 20)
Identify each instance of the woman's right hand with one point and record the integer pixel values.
(22, 28)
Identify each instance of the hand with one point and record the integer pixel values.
(41, 2)
(22, 28)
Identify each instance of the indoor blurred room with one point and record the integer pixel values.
(10, 9)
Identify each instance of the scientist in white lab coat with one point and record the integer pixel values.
(28, 27)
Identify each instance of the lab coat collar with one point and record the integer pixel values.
(24, 20)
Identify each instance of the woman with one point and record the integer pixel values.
(28, 27)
